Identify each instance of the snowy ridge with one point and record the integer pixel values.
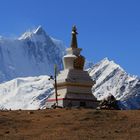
(111, 78)
(25, 93)
(32, 54)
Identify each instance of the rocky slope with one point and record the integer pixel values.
(112, 79)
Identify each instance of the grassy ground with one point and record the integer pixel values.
(75, 124)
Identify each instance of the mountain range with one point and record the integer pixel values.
(26, 58)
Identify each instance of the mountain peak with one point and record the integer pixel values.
(105, 60)
(37, 31)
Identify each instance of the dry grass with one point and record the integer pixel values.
(75, 124)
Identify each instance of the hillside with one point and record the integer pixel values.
(76, 124)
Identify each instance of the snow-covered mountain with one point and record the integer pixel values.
(32, 54)
(32, 92)
(25, 93)
(112, 79)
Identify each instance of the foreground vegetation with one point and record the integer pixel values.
(75, 124)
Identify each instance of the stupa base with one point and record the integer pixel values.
(74, 103)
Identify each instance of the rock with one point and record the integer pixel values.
(109, 103)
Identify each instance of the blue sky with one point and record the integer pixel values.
(107, 28)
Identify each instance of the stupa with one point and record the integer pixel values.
(73, 83)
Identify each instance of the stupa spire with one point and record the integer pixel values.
(74, 38)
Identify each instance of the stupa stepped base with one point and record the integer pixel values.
(74, 89)
(75, 103)
(75, 76)
(74, 81)
(66, 99)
